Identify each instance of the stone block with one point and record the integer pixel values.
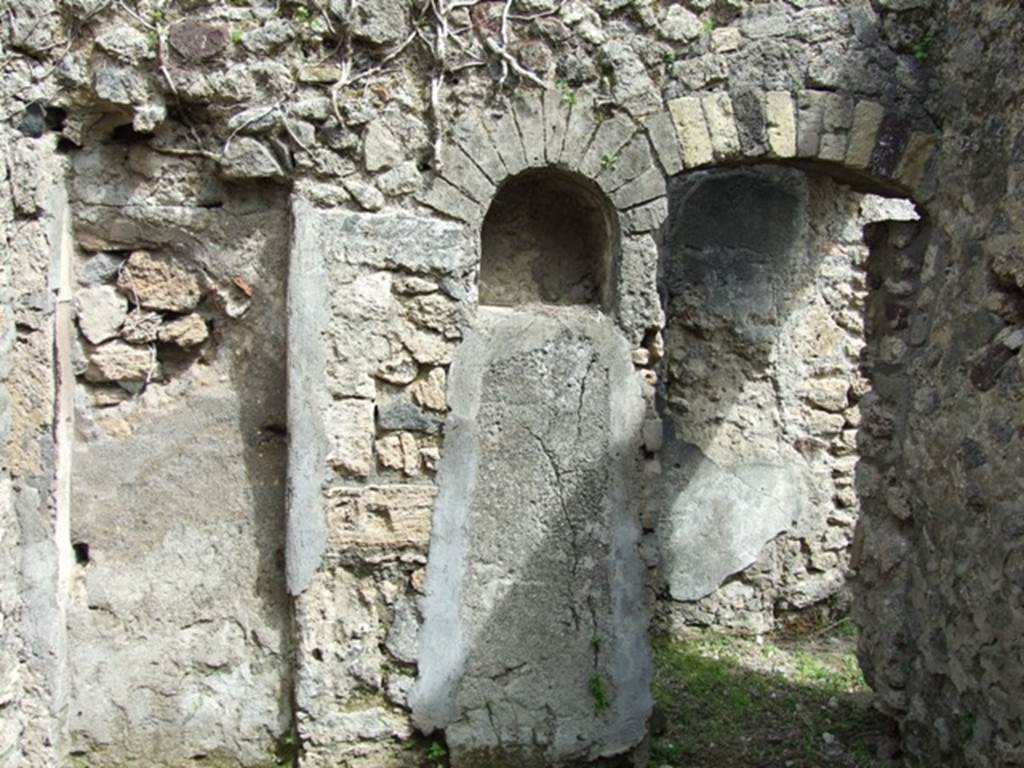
(662, 134)
(748, 106)
(444, 197)
(721, 125)
(578, 132)
(647, 187)
(603, 151)
(471, 135)
(119, 361)
(379, 521)
(780, 116)
(249, 158)
(101, 311)
(505, 134)
(912, 167)
(457, 168)
(159, 282)
(528, 108)
(186, 332)
(692, 130)
(810, 116)
(556, 121)
(628, 164)
(350, 429)
(647, 217)
(837, 118)
(381, 149)
(867, 119)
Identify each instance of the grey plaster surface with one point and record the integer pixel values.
(534, 582)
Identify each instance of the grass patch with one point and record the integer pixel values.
(793, 704)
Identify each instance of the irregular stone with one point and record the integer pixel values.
(118, 361)
(430, 391)
(681, 25)
(100, 310)
(159, 282)
(248, 158)
(396, 413)
(688, 117)
(399, 367)
(380, 520)
(120, 83)
(867, 119)
(380, 22)
(780, 117)
(350, 429)
(196, 40)
(410, 285)
(320, 74)
(403, 179)
(381, 149)
(662, 134)
(436, 312)
(367, 195)
(721, 125)
(410, 454)
(141, 327)
(404, 630)
(725, 39)
(186, 332)
(632, 87)
(389, 452)
(269, 37)
(126, 44)
(828, 394)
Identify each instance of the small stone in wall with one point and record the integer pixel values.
(368, 196)
(101, 310)
(99, 268)
(681, 25)
(410, 454)
(186, 332)
(159, 282)
(119, 361)
(196, 40)
(380, 148)
(436, 313)
(430, 391)
(403, 179)
(141, 326)
(248, 158)
(389, 452)
(412, 286)
(399, 368)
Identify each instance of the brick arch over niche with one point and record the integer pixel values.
(858, 141)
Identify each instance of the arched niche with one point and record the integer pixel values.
(551, 237)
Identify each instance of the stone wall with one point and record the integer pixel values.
(764, 271)
(201, 136)
(940, 572)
